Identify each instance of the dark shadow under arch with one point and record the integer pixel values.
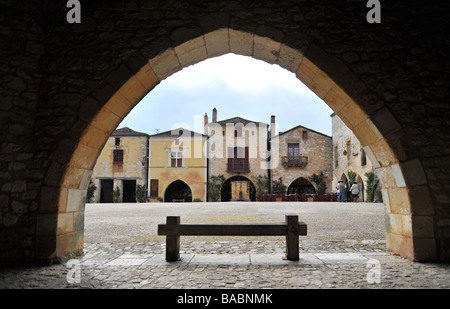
(301, 186)
(178, 191)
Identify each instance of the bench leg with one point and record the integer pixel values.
(172, 248)
(173, 242)
(292, 251)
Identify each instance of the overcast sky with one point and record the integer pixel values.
(236, 86)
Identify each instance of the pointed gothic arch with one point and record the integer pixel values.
(138, 59)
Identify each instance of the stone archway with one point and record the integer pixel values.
(67, 87)
(301, 185)
(226, 190)
(178, 191)
(360, 182)
(228, 40)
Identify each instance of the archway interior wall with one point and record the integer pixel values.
(369, 130)
(227, 187)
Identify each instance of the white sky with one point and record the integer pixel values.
(236, 86)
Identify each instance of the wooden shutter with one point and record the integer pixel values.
(118, 157)
(154, 184)
(230, 157)
(246, 160)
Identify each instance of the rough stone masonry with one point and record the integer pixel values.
(65, 87)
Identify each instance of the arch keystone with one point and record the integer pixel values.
(217, 43)
(241, 43)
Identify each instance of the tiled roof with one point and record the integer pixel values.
(127, 132)
(177, 133)
(300, 126)
(235, 120)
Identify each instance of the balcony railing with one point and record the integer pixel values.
(294, 161)
(240, 167)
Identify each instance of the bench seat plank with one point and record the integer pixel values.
(241, 229)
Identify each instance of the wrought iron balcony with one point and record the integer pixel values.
(294, 161)
(236, 166)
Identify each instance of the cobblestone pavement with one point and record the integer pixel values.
(233, 265)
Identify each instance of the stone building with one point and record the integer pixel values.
(66, 87)
(237, 149)
(302, 152)
(350, 155)
(177, 166)
(121, 165)
(171, 166)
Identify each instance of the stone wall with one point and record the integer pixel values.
(316, 146)
(350, 161)
(134, 163)
(66, 87)
(222, 137)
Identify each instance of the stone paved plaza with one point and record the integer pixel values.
(233, 265)
(115, 257)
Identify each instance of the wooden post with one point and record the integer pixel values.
(173, 241)
(292, 251)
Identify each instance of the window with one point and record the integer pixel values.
(305, 134)
(293, 151)
(118, 157)
(238, 159)
(363, 157)
(176, 159)
(154, 184)
(117, 141)
(336, 158)
(349, 152)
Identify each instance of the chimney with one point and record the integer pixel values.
(205, 124)
(214, 115)
(272, 125)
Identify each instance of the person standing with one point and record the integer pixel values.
(349, 191)
(341, 189)
(355, 192)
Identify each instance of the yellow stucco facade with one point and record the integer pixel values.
(178, 166)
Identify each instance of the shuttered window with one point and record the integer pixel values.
(118, 157)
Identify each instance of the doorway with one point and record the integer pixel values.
(178, 191)
(106, 191)
(301, 186)
(129, 191)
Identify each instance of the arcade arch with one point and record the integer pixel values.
(178, 191)
(301, 185)
(226, 190)
(401, 236)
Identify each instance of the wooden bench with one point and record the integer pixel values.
(291, 228)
